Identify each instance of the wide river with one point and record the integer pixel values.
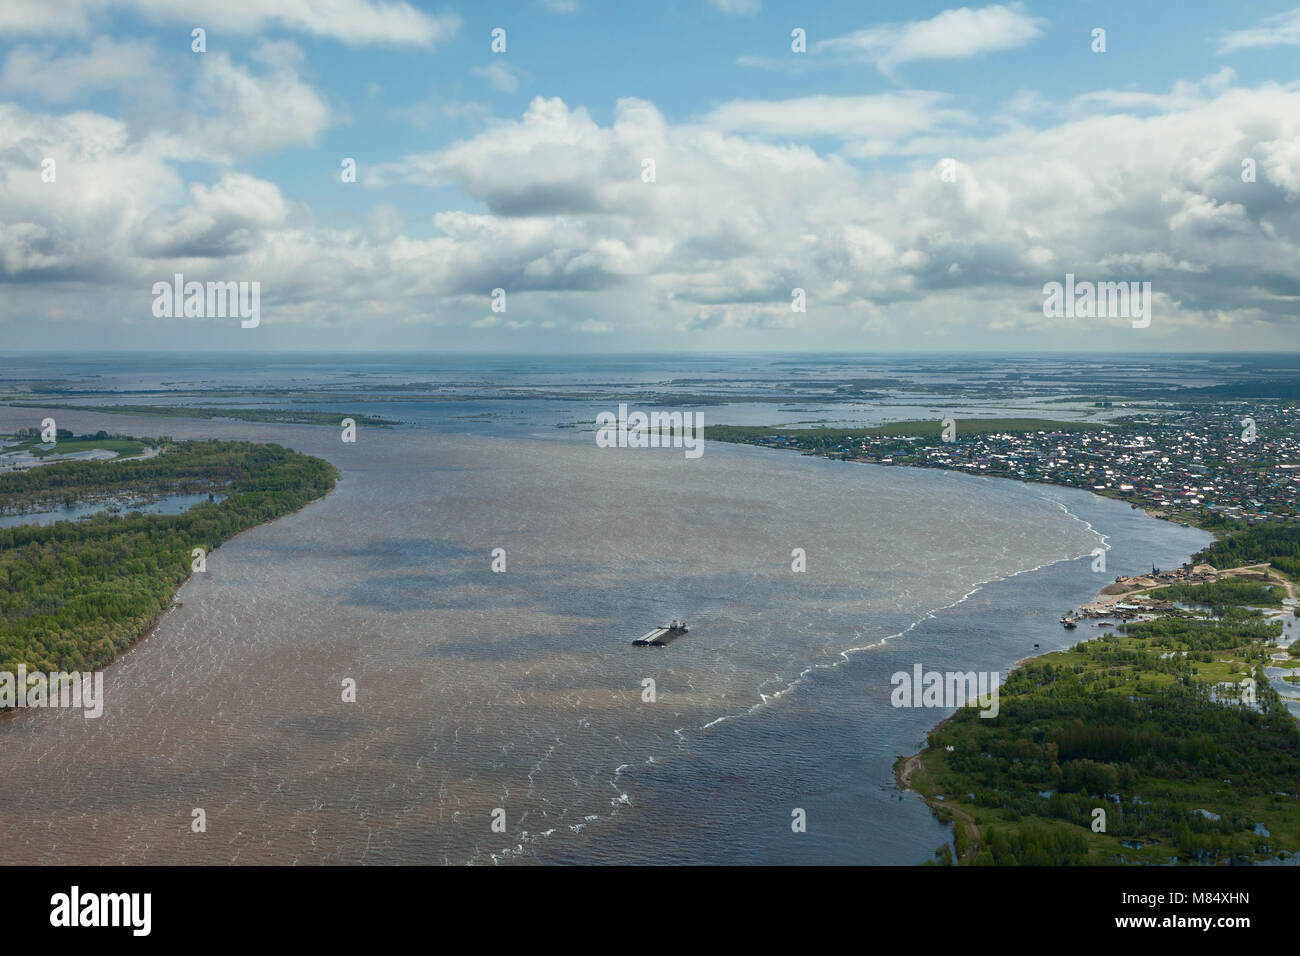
(519, 691)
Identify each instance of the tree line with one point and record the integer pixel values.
(74, 594)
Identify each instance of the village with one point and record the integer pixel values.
(1126, 599)
(1203, 465)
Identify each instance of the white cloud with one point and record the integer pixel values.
(227, 219)
(951, 35)
(246, 114)
(1183, 95)
(731, 225)
(76, 228)
(57, 78)
(48, 16)
(1282, 29)
(559, 216)
(355, 22)
(232, 111)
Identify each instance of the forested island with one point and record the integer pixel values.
(1167, 732)
(74, 594)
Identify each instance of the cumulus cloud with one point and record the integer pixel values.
(230, 111)
(733, 223)
(224, 220)
(560, 213)
(76, 226)
(246, 113)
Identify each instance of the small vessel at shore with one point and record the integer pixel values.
(663, 635)
(1070, 623)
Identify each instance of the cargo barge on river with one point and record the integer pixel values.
(662, 636)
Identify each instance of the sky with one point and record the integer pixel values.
(561, 176)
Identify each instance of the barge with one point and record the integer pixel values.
(663, 635)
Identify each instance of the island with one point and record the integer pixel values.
(74, 594)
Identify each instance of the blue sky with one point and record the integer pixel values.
(523, 170)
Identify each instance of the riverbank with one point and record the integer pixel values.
(1163, 681)
(1220, 795)
(80, 593)
(1145, 460)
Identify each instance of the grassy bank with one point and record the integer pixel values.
(122, 447)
